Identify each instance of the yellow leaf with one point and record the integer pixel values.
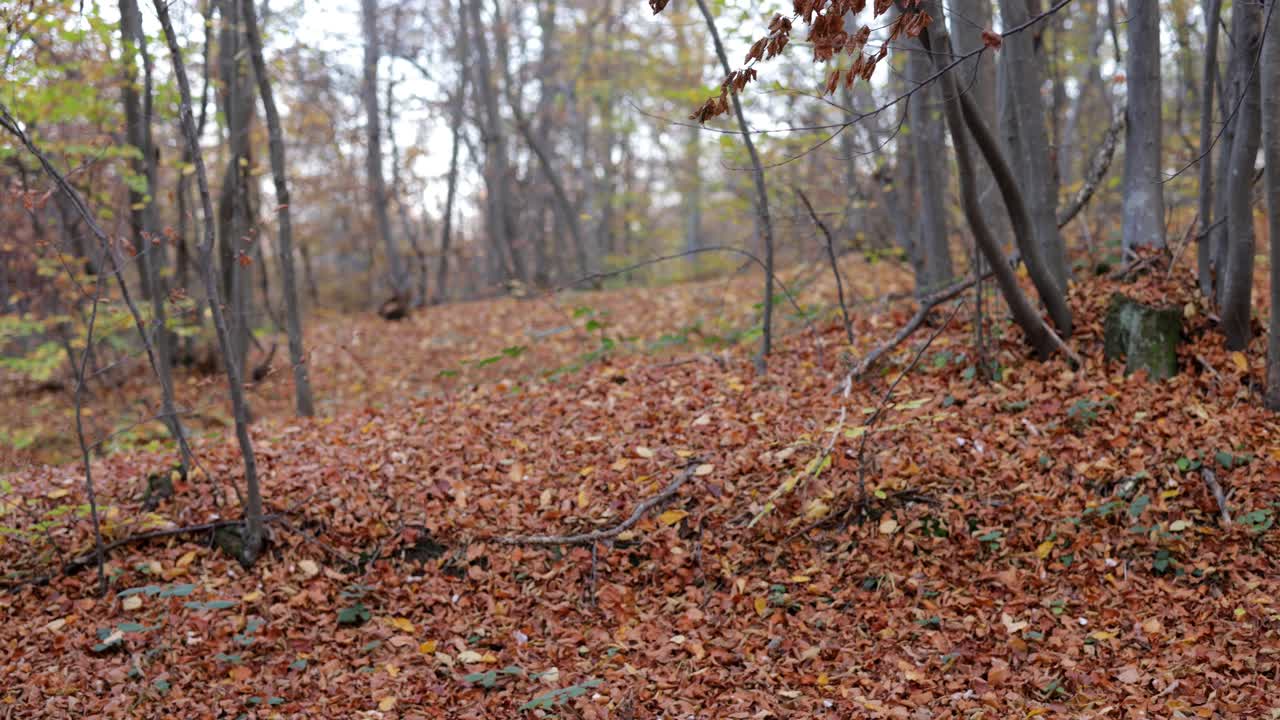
(1240, 361)
(671, 517)
(762, 605)
(470, 657)
(427, 647)
(620, 464)
(187, 559)
(583, 498)
(799, 578)
(644, 452)
(823, 680)
(253, 596)
(386, 703)
(392, 670)
(1045, 548)
(888, 526)
(403, 624)
(188, 169)
(59, 493)
(587, 470)
(1102, 635)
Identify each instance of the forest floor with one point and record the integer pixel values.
(1041, 544)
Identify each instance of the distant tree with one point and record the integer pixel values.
(1143, 192)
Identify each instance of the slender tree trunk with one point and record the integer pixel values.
(761, 196)
(1051, 294)
(1230, 89)
(146, 236)
(459, 105)
(398, 190)
(1270, 70)
(234, 211)
(1039, 336)
(1143, 193)
(1204, 247)
(373, 149)
(497, 170)
(254, 528)
(562, 204)
(279, 172)
(928, 154)
(1023, 68)
(1237, 304)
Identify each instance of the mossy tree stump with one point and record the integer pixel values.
(1146, 337)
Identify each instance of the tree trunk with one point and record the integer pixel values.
(1271, 183)
(373, 149)
(1204, 247)
(928, 148)
(459, 105)
(1050, 293)
(147, 238)
(497, 171)
(1023, 69)
(234, 212)
(1039, 336)
(761, 196)
(1143, 193)
(254, 534)
(1237, 305)
(275, 138)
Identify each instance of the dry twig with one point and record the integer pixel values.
(609, 533)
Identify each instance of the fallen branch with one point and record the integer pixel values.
(85, 560)
(1097, 171)
(608, 534)
(1219, 496)
(927, 304)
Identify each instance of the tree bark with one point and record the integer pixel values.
(297, 355)
(1143, 194)
(373, 150)
(1050, 293)
(928, 148)
(440, 293)
(1204, 247)
(1023, 70)
(234, 211)
(146, 235)
(1237, 303)
(254, 526)
(493, 136)
(1039, 336)
(1271, 187)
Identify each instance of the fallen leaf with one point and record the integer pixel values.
(644, 452)
(671, 517)
(403, 624)
(1129, 675)
(133, 602)
(470, 657)
(888, 525)
(386, 703)
(309, 568)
